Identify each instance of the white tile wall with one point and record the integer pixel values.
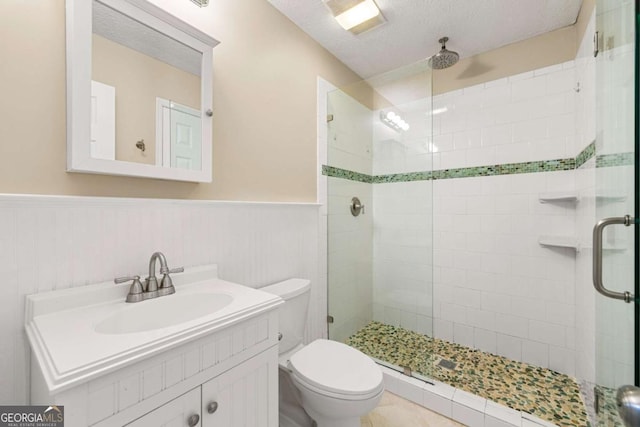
(350, 133)
(521, 118)
(403, 221)
(53, 243)
(485, 238)
(495, 285)
(402, 255)
(349, 238)
(408, 151)
(350, 243)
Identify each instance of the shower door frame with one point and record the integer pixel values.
(613, 108)
(324, 117)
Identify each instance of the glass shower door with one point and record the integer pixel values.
(614, 249)
(379, 213)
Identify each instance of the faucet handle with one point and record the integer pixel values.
(166, 284)
(136, 291)
(125, 279)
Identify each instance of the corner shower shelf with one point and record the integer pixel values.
(560, 242)
(611, 198)
(572, 197)
(574, 243)
(568, 196)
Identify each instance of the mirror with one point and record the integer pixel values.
(138, 92)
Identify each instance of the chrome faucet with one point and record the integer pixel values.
(138, 292)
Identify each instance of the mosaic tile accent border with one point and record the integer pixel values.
(618, 159)
(504, 169)
(402, 177)
(346, 174)
(606, 160)
(508, 169)
(586, 154)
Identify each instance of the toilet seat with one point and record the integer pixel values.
(337, 370)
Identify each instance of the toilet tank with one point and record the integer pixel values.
(293, 313)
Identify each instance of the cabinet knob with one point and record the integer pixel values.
(212, 407)
(193, 420)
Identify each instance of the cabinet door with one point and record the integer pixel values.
(246, 395)
(175, 413)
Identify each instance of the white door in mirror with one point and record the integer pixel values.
(185, 140)
(103, 121)
(178, 135)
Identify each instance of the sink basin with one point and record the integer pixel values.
(162, 312)
(82, 333)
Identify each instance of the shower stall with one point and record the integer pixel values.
(460, 227)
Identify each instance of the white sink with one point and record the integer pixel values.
(81, 333)
(162, 312)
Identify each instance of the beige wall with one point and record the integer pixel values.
(264, 100)
(547, 49)
(265, 72)
(138, 80)
(588, 7)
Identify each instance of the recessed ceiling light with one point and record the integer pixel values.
(356, 16)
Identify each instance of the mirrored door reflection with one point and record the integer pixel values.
(145, 93)
(179, 134)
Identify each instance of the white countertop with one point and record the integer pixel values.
(61, 325)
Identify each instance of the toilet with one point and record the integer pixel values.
(334, 383)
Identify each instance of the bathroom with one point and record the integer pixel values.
(484, 274)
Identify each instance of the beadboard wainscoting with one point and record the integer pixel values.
(53, 242)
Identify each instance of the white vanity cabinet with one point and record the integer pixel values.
(238, 397)
(244, 396)
(237, 368)
(181, 411)
(221, 366)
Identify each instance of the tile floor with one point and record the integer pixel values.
(394, 411)
(546, 394)
(608, 416)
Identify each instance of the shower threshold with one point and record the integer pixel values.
(546, 394)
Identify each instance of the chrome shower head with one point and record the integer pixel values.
(445, 58)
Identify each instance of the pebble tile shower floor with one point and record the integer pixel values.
(542, 392)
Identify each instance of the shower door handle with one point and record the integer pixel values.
(597, 257)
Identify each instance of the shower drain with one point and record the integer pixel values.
(447, 364)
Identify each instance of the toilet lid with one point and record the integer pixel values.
(336, 367)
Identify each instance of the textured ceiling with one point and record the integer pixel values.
(122, 29)
(413, 28)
